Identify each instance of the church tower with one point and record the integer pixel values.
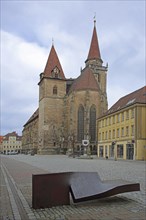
(87, 98)
(52, 89)
(95, 63)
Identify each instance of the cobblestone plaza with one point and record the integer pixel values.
(16, 188)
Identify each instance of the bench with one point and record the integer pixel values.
(54, 189)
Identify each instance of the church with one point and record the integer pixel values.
(68, 108)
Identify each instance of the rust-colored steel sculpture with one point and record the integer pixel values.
(53, 189)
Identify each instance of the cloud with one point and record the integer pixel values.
(21, 64)
(27, 29)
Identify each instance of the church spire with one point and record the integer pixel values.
(53, 64)
(94, 51)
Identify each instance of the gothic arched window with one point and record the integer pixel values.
(80, 123)
(55, 90)
(92, 126)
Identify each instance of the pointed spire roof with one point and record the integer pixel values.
(94, 51)
(52, 62)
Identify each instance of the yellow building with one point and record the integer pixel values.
(122, 130)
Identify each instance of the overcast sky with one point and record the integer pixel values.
(27, 29)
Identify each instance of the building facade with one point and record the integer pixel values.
(68, 108)
(11, 143)
(1, 141)
(30, 134)
(122, 130)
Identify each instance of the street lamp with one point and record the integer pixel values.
(71, 139)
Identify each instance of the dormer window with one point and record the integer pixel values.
(55, 72)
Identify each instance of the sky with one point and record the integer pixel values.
(28, 29)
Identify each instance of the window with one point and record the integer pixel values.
(122, 132)
(55, 90)
(102, 135)
(123, 116)
(114, 119)
(118, 118)
(110, 134)
(103, 123)
(132, 113)
(120, 151)
(127, 114)
(99, 124)
(127, 130)
(118, 132)
(109, 120)
(114, 133)
(92, 126)
(80, 123)
(99, 136)
(106, 135)
(132, 130)
(55, 72)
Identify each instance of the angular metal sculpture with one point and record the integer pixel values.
(53, 189)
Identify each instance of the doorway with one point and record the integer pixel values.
(130, 151)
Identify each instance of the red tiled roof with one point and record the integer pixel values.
(6, 137)
(138, 96)
(53, 62)
(1, 139)
(85, 81)
(94, 52)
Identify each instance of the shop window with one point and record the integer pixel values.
(111, 150)
(106, 152)
(120, 150)
(100, 151)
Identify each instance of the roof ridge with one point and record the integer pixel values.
(136, 96)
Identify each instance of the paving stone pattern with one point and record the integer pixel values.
(127, 206)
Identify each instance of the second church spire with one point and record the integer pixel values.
(94, 51)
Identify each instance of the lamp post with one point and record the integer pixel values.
(71, 139)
